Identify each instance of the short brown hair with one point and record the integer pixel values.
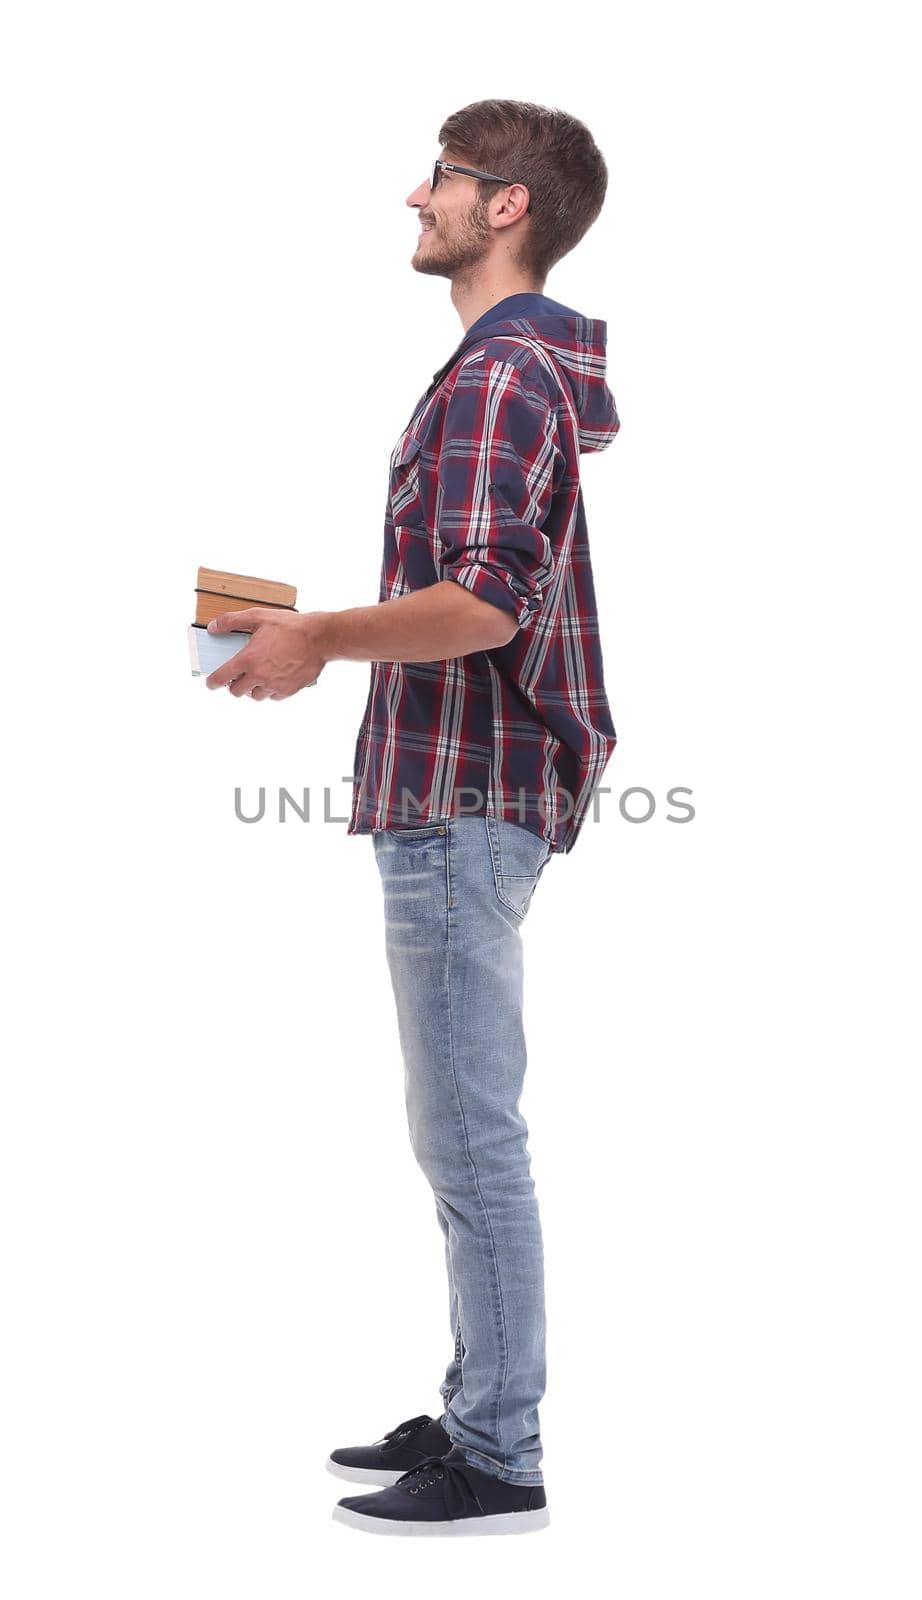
(549, 151)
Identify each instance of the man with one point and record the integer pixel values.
(486, 729)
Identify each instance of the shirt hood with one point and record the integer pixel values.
(575, 343)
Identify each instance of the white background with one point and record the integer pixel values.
(219, 1258)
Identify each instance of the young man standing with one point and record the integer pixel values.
(486, 730)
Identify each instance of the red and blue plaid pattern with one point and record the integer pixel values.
(485, 492)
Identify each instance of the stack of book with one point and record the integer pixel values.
(217, 592)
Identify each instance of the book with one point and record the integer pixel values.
(217, 592)
(236, 586)
(209, 605)
(208, 651)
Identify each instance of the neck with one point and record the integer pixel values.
(471, 300)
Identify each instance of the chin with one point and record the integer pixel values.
(432, 269)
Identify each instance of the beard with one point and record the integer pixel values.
(454, 247)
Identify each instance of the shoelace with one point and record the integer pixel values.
(460, 1494)
(403, 1431)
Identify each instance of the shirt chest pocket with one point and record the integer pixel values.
(408, 512)
(406, 488)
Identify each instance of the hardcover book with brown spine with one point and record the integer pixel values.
(235, 586)
(217, 592)
(209, 605)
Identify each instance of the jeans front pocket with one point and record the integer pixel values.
(399, 849)
(413, 830)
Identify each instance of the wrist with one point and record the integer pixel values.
(320, 634)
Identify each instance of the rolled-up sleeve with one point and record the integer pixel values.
(496, 477)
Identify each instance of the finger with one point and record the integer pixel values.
(244, 684)
(260, 692)
(240, 621)
(226, 673)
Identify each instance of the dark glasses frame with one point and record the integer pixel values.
(470, 172)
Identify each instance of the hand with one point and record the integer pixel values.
(282, 656)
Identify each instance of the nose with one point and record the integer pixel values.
(420, 194)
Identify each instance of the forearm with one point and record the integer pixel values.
(433, 624)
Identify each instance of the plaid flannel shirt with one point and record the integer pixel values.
(485, 492)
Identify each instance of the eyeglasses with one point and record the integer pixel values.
(470, 172)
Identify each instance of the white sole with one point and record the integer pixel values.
(503, 1522)
(378, 1475)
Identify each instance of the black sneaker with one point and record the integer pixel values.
(418, 1439)
(447, 1495)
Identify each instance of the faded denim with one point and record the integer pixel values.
(456, 894)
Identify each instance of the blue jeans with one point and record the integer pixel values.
(455, 896)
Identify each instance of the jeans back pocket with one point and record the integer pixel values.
(519, 857)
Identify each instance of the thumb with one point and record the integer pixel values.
(233, 622)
